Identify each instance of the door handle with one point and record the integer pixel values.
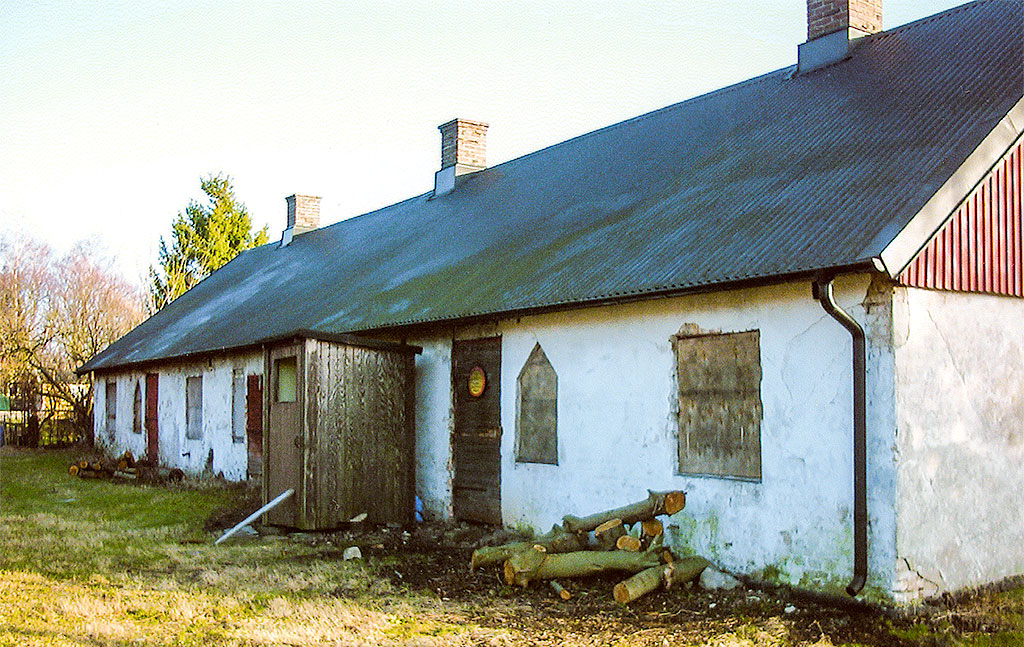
(298, 442)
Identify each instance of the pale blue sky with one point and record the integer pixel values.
(111, 111)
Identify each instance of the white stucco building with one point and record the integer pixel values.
(799, 299)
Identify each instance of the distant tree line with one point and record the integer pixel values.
(56, 312)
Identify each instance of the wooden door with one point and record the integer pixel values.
(254, 424)
(152, 429)
(476, 442)
(283, 451)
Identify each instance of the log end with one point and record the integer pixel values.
(652, 527)
(628, 543)
(621, 593)
(510, 573)
(674, 502)
(560, 590)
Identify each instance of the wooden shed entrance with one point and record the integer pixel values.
(339, 430)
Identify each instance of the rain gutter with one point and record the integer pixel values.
(821, 288)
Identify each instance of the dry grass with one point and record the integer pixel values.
(86, 563)
(78, 568)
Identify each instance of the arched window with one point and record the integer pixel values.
(537, 411)
(137, 409)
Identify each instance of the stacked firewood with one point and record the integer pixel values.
(627, 539)
(122, 467)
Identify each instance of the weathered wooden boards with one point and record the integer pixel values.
(626, 539)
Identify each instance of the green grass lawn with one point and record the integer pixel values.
(86, 562)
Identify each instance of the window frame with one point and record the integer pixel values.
(238, 405)
(138, 408)
(292, 364)
(110, 407)
(194, 407)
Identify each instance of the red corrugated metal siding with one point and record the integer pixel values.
(980, 248)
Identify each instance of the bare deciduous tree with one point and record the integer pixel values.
(56, 313)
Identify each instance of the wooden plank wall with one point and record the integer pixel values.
(361, 445)
(981, 246)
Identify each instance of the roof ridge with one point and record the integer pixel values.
(373, 212)
(619, 124)
(786, 73)
(932, 18)
(651, 113)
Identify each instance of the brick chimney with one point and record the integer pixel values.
(303, 216)
(463, 150)
(833, 29)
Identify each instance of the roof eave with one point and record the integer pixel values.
(350, 339)
(898, 252)
(809, 274)
(359, 337)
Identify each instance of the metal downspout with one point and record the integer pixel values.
(822, 291)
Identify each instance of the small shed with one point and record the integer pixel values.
(339, 429)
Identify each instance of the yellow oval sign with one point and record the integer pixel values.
(477, 382)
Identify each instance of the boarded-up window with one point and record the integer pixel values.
(137, 409)
(286, 382)
(720, 404)
(254, 421)
(254, 404)
(110, 404)
(537, 411)
(194, 407)
(238, 406)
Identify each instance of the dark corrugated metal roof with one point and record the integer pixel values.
(778, 175)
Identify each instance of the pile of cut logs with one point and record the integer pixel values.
(627, 539)
(123, 467)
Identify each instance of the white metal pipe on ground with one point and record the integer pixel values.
(256, 515)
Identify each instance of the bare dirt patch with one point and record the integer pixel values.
(434, 560)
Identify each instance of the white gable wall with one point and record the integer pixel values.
(960, 415)
(617, 429)
(175, 450)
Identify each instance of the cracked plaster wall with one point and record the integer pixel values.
(189, 455)
(617, 429)
(960, 441)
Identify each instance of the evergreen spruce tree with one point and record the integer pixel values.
(203, 237)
